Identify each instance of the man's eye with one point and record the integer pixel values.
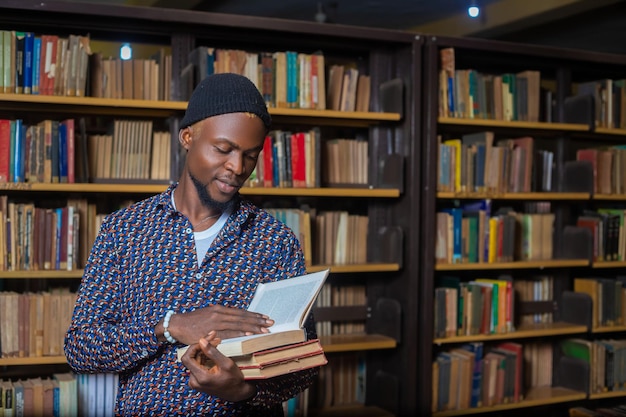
(224, 151)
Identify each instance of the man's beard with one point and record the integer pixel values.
(207, 200)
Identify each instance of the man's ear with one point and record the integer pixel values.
(185, 138)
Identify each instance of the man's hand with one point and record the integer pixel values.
(223, 379)
(227, 322)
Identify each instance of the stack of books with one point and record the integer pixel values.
(285, 349)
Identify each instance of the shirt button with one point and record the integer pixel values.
(199, 275)
(144, 353)
(188, 230)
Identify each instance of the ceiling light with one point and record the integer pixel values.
(473, 10)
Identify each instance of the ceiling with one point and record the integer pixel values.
(584, 24)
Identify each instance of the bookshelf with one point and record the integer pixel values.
(389, 202)
(555, 131)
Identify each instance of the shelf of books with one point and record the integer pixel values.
(525, 186)
(333, 168)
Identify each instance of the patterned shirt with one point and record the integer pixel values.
(142, 264)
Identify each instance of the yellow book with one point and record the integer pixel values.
(493, 239)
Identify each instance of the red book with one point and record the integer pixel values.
(268, 165)
(298, 160)
(5, 149)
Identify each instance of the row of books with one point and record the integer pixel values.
(285, 78)
(476, 162)
(478, 306)
(605, 360)
(42, 152)
(474, 375)
(134, 151)
(472, 234)
(607, 299)
(43, 64)
(64, 394)
(608, 166)
(606, 227)
(609, 101)
(289, 159)
(38, 238)
(333, 295)
(472, 94)
(327, 237)
(33, 324)
(135, 79)
(533, 289)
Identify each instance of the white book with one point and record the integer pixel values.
(287, 302)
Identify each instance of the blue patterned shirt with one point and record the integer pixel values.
(142, 264)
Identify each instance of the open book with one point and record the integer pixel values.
(287, 302)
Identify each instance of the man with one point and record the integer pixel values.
(181, 267)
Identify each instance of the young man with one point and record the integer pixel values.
(182, 266)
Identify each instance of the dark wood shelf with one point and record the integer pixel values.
(522, 332)
(534, 397)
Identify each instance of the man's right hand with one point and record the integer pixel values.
(227, 322)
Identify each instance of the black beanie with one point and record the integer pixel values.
(225, 93)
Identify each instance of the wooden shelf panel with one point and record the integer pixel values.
(609, 329)
(356, 342)
(350, 411)
(610, 197)
(532, 330)
(548, 263)
(39, 360)
(534, 397)
(610, 264)
(373, 267)
(608, 394)
(610, 131)
(157, 188)
(94, 105)
(570, 127)
(323, 192)
(513, 196)
(76, 273)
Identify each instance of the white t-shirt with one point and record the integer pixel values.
(206, 237)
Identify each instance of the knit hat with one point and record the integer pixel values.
(225, 93)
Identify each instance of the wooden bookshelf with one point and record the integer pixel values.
(569, 127)
(382, 54)
(356, 342)
(522, 332)
(154, 188)
(608, 394)
(33, 360)
(608, 264)
(534, 397)
(514, 196)
(609, 329)
(48, 273)
(561, 70)
(544, 264)
(351, 411)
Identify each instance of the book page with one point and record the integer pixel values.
(288, 301)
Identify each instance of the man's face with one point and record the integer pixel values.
(222, 153)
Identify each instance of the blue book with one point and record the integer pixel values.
(62, 152)
(477, 372)
(29, 46)
(18, 135)
(36, 64)
(457, 237)
(57, 237)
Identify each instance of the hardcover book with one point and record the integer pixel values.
(287, 302)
